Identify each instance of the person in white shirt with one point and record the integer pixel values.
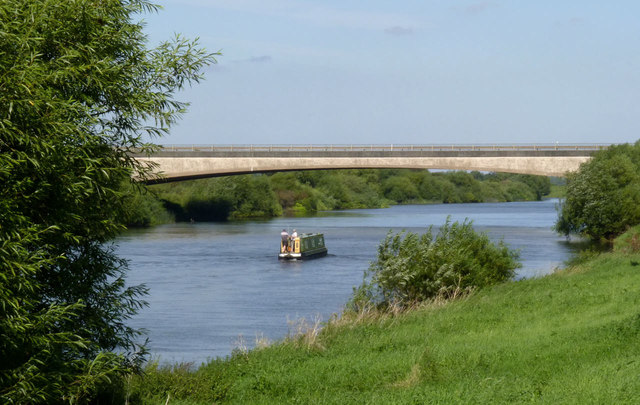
(285, 239)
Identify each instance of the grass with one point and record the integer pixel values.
(571, 337)
(557, 191)
(629, 242)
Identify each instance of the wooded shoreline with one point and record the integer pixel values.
(306, 192)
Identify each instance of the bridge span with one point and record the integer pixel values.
(184, 162)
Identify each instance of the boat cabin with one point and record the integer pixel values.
(305, 246)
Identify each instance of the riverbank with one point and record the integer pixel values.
(304, 193)
(570, 337)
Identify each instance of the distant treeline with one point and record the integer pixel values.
(304, 192)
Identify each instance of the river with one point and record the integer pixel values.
(217, 286)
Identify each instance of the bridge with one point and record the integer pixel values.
(184, 162)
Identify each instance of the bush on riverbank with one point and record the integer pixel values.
(305, 192)
(603, 197)
(414, 268)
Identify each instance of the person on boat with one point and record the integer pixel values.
(284, 235)
(294, 234)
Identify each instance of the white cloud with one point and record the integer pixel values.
(277, 51)
(399, 31)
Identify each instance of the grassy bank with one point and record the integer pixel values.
(571, 337)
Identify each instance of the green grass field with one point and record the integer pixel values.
(571, 337)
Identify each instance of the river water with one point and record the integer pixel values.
(217, 286)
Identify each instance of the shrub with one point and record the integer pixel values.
(603, 197)
(412, 268)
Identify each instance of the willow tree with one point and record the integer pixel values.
(79, 90)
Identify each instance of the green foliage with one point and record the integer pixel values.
(399, 189)
(467, 187)
(77, 94)
(558, 191)
(307, 192)
(216, 209)
(142, 207)
(252, 196)
(603, 197)
(413, 268)
(218, 199)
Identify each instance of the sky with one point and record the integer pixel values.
(409, 71)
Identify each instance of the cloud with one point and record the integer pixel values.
(228, 65)
(398, 31)
(257, 59)
(476, 8)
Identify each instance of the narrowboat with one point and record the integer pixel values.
(305, 246)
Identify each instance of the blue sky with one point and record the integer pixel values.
(410, 72)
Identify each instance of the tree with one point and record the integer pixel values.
(603, 196)
(399, 189)
(79, 90)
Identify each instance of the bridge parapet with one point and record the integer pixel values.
(381, 148)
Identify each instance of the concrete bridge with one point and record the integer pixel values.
(182, 162)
